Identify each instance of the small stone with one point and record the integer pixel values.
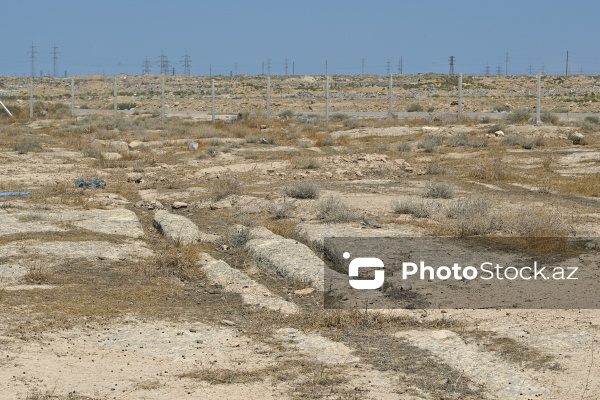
(304, 291)
(134, 144)
(227, 322)
(178, 204)
(158, 205)
(263, 127)
(499, 133)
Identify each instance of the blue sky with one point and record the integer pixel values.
(116, 36)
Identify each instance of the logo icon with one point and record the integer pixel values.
(365, 262)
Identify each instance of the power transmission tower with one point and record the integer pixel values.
(285, 65)
(567, 66)
(487, 69)
(173, 71)
(146, 67)
(400, 66)
(452, 60)
(32, 53)
(54, 59)
(506, 64)
(163, 61)
(387, 68)
(499, 70)
(187, 64)
(268, 66)
(530, 70)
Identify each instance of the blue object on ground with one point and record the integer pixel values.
(93, 183)
(5, 194)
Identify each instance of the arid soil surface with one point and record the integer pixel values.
(306, 94)
(192, 266)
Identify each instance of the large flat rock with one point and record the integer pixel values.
(236, 281)
(176, 227)
(112, 222)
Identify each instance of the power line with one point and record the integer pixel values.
(146, 67)
(32, 53)
(452, 60)
(54, 59)
(187, 64)
(163, 62)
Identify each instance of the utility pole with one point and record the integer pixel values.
(187, 64)
(452, 60)
(32, 52)
(210, 70)
(54, 59)
(326, 73)
(567, 67)
(285, 65)
(293, 68)
(268, 66)
(173, 71)
(146, 67)
(163, 61)
(487, 69)
(506, 64)
(400, 66)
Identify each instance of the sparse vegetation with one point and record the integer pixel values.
(27, 145)
(302, 190)
(439, 190)
(333, 209)
(416, 208)
(414, 107)
(518, 116)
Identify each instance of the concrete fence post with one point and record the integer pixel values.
(212, 95)
(31, 98)
(391, 97)
(72, 97)
(268, 97)
(538, 109)
(116, 99)
(327, 98)
(459, 96)
(162, 99)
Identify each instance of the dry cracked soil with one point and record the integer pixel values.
(196, 268)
